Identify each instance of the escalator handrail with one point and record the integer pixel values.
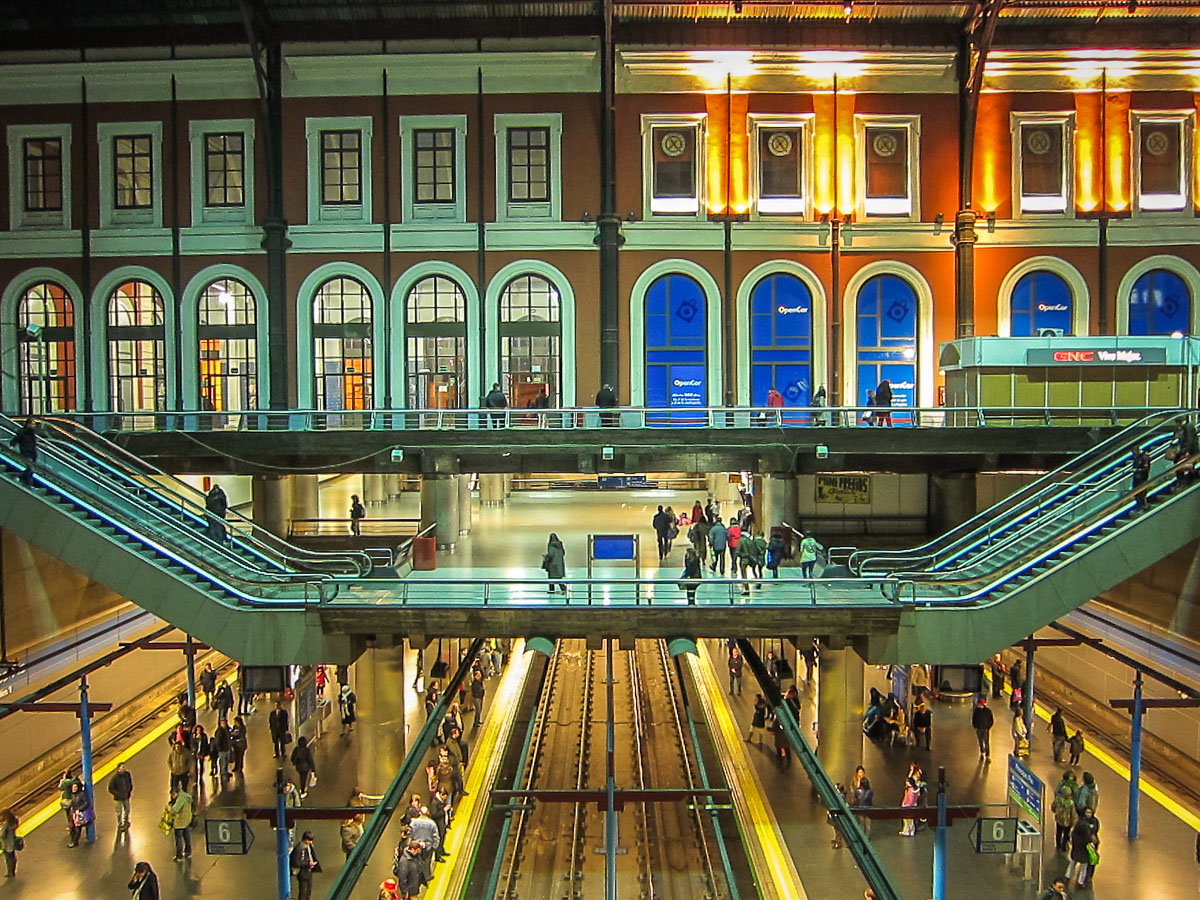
(1093, 458)
(252, 534)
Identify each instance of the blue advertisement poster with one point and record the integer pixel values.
(676, 347)
(887, 342)
(781, 341)
(1041, 306)
(1160, 303)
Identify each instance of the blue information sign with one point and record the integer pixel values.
(1024, 788)
(613, 546)
(227, 837)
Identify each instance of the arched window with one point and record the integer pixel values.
(887, 340)
(342, 363)
(1160, 303)
(228, 365)
(781, 340)
(1041, 306)
(137, 369)
(531, 341)
(46, 326)
(676, 343)
(436, 337)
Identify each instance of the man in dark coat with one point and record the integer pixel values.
(606, 398)
(280, 723)
(661, 523)
(26, 442)
(410, 871)
(982, 721)
(477, 692)
(495, 400)
(217, 505)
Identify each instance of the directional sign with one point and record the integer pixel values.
(227, 837)
(995, 835)
(1025, 789)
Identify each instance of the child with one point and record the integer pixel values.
(1076, 748)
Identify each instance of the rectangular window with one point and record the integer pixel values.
(673, 164)
(433, 164)
(341, 168)
(780, 156)
(1042, 158)
(43, 175)
(224, 170)
(887, 149)
(133, 171)
(1163, 163)
(528, 165)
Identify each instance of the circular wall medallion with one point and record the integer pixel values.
(1038, 142)
(885, 144)
(780, 143)
(1157, 143)
(673, 143)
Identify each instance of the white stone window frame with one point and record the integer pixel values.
(202, 213)
(777, 208)
(110, 216)
(413, 212)
(1042, 208)
(674, 208)
(1163, 205)
(521, 210)
(18, 216)
(320, 213)
(888, 209)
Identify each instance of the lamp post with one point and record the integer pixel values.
(38, 333)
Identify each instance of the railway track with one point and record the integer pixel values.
(556, 848)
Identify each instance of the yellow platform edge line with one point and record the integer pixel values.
(51, 808)
(1147, 785)
(779, 876)
(450, 877)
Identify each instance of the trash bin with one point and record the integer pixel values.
(424, 554)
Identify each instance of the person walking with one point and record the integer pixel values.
(202, 747)
(348, 708)
(216, 505)
(883, 400)
(922, 724)
(304, 864)
(81, 812)
(1065, 817)
(1075, 745)
(208, 684)
(775, 549)
(809, 551)
(758, 719)
(1058, 733)
(304, 764)
(120, 788)
(736, 663)
(478, 690)
(351, 833)
(698, 535)
(554, 562)
(982, 721)
(744, 563)
(697, 512)
(358, 512)
(495, 400)
(718, 541)
(1056, 891)
(997, 670)
(144, 882)
(661, 523)
(1085, 848)
(26, 442)
(279, 721)
(692, 573)
(10, 842)
(183, 811)
(224, 700)
(606, 398)
(811, 653)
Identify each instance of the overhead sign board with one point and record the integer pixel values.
(227, 837)
(843, 488)
(1025, 789)
(1095, 356)
(995, 835)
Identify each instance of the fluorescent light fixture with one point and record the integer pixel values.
(674, 204)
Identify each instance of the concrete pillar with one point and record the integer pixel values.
(271, 499)
(439, 505)
(508, 488)
(374, 489)
(379, 683)
(779, 500)
(392, 486)
(306, 497)
(951, 500)
(466, 509)
(839, 712)
(491, 490)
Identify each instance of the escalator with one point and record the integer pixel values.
(1042, 552)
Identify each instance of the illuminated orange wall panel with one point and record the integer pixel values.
(845, 153)
(1116, 152)
(718, 130)
(1088, 159)
(728, 153)
(823, 141)
(991, 187)
(1196, 154)
(739, 155)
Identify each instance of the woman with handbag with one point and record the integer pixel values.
(1085, 847)
(554, 562)
(10, 842)
(81, 812)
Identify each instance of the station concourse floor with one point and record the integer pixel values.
(1160, 865)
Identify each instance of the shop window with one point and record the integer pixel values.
(887, 329)
(228, 374)
(531, 341)
(1040, 306)
(781, 341)
(137, 369)
(436, 344)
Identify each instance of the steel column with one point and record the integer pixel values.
(939, 840)
(609, 221)
(190, 653)
(1135, 756)
(282, 850)
(610, 782)
(1027, 688)
(85, 739)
